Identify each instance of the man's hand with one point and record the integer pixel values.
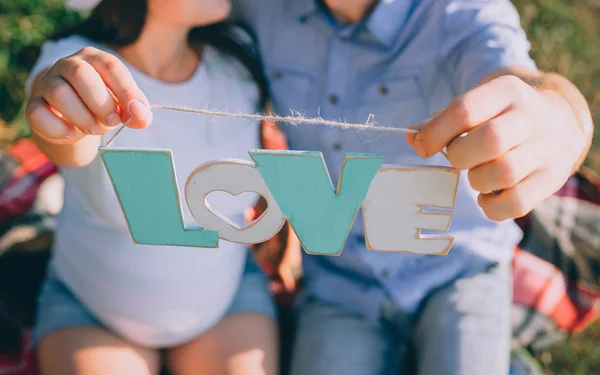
(519, 144)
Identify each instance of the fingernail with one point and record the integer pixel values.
(139, 110)
(418, 126)
(113, 120)
(95, 129)
(71, 133)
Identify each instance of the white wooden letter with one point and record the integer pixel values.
(234, 177)
(393, 209)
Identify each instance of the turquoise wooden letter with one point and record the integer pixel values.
(146, 187)
(302, 187)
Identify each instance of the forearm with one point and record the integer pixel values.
(568, 91)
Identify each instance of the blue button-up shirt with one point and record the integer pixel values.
(407, 59)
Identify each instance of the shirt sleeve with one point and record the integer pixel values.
(480, 37)
(51, 52)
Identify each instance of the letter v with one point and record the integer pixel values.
(146, 187)
(301, 185)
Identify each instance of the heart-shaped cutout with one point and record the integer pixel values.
(229, 206)
(219, 193)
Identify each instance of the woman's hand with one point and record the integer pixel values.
(87, 93)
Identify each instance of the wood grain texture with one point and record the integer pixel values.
(320, 215)
(297, 187)
(393, 209)
(146, 187)
(234, 177)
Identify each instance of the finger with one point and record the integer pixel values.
(517, 201)
(46, 123)
(250, 214)
(92, 90)
(287, 279)
(506, 171)
(119, 80)
(410, 137)
(467, 112)
(59, 94)
(490, 140)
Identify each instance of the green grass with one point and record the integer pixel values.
(580, 355)
(565, 38)
(24, 25)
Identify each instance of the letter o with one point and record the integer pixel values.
(234, 177)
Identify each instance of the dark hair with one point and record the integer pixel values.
(119, 23)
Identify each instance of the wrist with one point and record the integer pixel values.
(578, 123)
(71, 155)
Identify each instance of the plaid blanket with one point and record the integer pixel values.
(556, 268)
(22, 169)
(26, 229)
(556, 273)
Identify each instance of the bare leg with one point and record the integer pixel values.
(241, 344)
(88, 350)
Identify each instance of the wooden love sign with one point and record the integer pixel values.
(297, 187)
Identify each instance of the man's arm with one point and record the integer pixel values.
(519, 133)
(558, 84)
(518, 140)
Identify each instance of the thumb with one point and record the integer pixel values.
(136, 111)
(411, 136)
(418, 142)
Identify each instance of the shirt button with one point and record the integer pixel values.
(383, 90)
(337, 146)
(277, 75)
(333, 99)
(384, 273)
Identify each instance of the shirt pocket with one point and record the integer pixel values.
(291, 86)
(293, 94)
(395, 101)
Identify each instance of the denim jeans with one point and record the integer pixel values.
(461, 329)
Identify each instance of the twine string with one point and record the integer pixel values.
(294, 120)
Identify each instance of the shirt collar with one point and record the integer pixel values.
(387, 20)
(384, 23)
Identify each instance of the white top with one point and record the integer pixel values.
(157, 296)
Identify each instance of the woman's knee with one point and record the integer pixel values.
(87, 350)
(240, 344)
